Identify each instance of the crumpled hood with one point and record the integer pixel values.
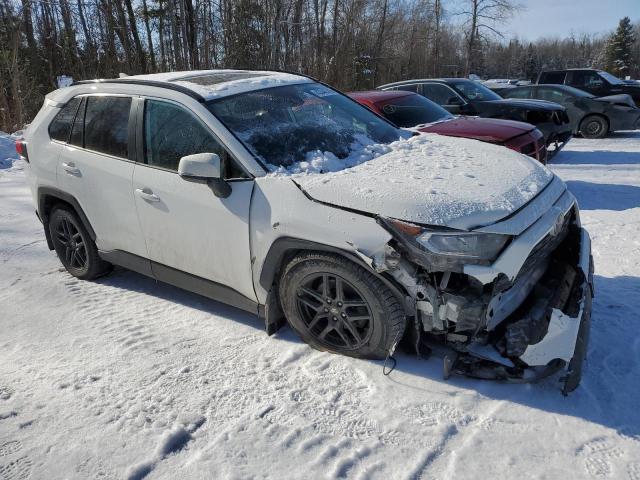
(620, 99)
(434, 180)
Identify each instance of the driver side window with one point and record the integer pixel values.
(587, 79)
(171, 132)
(440, 94)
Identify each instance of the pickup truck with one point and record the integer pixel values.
(596, 82)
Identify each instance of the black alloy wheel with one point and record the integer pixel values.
(334, 311)
(74, 246)
(71, 244)
(338, 306)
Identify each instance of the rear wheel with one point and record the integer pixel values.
(338, 306)
(594, 126)
(73, 244)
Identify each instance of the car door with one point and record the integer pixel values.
(188, 229)
(96, 167)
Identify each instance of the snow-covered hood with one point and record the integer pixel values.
(434, 180)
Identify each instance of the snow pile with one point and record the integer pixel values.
(428, 179)
(8, 152)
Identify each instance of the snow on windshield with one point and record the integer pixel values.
(305, 127)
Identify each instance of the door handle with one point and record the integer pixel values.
(70, 168)
(147, 194)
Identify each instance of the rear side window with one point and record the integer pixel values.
(550, 94)
(524, 92)
(441, 94)
(553, 77)
(106, 125)
(408, 88)
(61, 125)
(170, 133)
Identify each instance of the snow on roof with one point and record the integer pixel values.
(212, 84)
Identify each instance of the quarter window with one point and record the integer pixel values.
(106, 125)
(553, 77)
(61, 125)
(171, 132)
(78, 125)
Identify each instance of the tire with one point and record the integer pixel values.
(594, 126)
(73, 245)
(363, 321)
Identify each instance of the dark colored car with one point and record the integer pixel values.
(408, 109)
(596, 82)
(592, 117)
(466, 97)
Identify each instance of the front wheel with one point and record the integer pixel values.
(594, 126)
(337, 306)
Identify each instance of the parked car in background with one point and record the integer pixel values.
(592, 117)
(596, 82)
(282, 196)
(408, 110)
(465, 97)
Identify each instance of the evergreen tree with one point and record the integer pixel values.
(619, 48)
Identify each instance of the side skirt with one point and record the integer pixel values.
(180, 279)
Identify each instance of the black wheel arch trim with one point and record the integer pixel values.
(284, 247)
(46, 193)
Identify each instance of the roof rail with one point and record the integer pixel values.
(150, 83)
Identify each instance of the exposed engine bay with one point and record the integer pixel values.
(518, 330)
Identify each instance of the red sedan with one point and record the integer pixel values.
(410, 110)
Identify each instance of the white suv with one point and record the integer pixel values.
(281, 196)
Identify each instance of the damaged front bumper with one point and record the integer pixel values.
(520, 318)
(548, 333)
(567, 335)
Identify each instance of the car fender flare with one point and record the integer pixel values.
(285, 247)
(45, 196)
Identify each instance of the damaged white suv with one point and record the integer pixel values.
(281, 196)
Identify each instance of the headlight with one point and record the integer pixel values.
(468, 247)
(478, 246)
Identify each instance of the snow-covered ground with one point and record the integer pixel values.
(125, 377)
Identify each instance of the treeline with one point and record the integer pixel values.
(352, 44)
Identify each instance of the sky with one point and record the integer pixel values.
(548, 18)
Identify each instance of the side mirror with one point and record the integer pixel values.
(205, 168)
(454, 101)
(200, 165)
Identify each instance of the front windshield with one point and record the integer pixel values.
(474, 91)
(612, 79)
(576, 92)
(284, 125)
(412, 110)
